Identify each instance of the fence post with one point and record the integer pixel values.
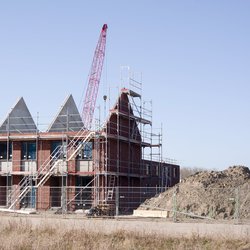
(63, 200)
(236, 209)
(33, 197)
(174, 205)
(116, 200)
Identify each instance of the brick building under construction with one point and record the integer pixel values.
(69, 167)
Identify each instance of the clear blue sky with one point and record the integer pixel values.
(194, 57)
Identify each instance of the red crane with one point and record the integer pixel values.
(94, 80)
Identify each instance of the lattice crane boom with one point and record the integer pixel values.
(94, 80)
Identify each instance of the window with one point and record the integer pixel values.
(3, 150)
(86, 152)
(157, 170)
(147, 169)
(55, 147)
(28, 151)
(174, 174)
(57, 150)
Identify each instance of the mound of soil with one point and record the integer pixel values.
(213, 194)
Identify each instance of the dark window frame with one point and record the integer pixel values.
(86, 152)
(28, 150)
(56, 148)
(4, 151)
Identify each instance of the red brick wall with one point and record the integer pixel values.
(71, 180)
(43, 197)
(129, 155)
(16, 179)
(43, 152)
(71, 191)
(16, 156)
(72, 166)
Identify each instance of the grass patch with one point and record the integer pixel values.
(21, 235)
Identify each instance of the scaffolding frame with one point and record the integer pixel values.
(138, 117)
(28, 179)
(138, 131)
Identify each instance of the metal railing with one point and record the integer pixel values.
(47, 169)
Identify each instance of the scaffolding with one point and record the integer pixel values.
(128, 129)
(33, 175)
(136, 131)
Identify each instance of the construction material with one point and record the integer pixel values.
(18, 211)
(101, 210)
(151, 213)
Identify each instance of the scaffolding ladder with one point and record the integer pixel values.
(111, 187)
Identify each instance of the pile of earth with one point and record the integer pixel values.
(213, 194)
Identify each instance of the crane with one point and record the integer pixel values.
(94, 79)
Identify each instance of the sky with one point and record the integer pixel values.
(194, 58)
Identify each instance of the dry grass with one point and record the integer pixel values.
(21, 235)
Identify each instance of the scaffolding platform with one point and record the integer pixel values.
(130, 92)
(131, 116)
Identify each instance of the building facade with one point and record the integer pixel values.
(69, 167)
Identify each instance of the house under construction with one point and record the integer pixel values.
(69, 167)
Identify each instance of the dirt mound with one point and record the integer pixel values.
(214, 194)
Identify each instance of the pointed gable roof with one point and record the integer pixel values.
(124, 104)
(124, 109)
(19, 119)
(68, 117)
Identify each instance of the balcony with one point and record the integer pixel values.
(60, 167)
(5, 167)
(84, 166)
(28, 166)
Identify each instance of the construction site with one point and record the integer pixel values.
(80, 163)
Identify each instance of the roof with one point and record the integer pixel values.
(18, 119)
(68, 118)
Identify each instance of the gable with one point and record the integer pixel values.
(19, 119)
(128, 126)
(68, 118)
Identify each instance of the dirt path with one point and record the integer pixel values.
(145, 226)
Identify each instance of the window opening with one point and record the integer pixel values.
(28, 151)
(3, 150)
